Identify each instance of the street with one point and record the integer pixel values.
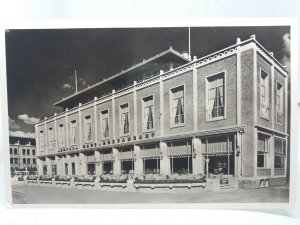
(51, 195)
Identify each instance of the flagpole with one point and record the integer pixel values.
(75, 81)
(190, 42)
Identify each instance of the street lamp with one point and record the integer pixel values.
(207, 162)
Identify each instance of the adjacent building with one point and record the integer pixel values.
(22, 152)
(225, 113)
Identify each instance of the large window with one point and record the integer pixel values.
(50, 138)
(264, 94)
(263, 147)
(279, 103)
(148, 113)
(280, 153)
(61, 134)
(15, 151)
(42, 138)
(88, 129)
(73, 132)
(33, 152)
(44, 170)
(177, 106)
(215, 106)
(54, 170)
(10, 151)
(104, 124)
(124, 114)
(23, 151)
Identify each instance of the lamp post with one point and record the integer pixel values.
(207, 162)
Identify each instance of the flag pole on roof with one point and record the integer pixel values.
(190, 43)
(75, 81)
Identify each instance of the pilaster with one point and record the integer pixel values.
(161, 106)
(164, 159)
(198, 166)
(138, 164)
(195, 98)
(98, 163)
(80, 127)
(135, 108)
(117, 162)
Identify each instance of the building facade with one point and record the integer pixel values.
(225, 113)
(22, 152)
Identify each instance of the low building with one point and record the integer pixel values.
(22, 153)
(225, 113)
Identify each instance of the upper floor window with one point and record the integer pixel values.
(15, 151)
(215, 106)
(50, 138)
(73, 132)
(33, 152)
(61, 135)
(177, 106)
(280, 153)
(279, 103)
(263, 147)
(148, 113)
(264, 94)
(10, 151)
(104, 124)
(28, 151)
(33, 161)
(42, 138)
(124, 115)
(88, 128)
(23, 151)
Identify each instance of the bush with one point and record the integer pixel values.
(170, 179)
(84, 178)
(62, 178)
(108, 178)
(46, 177)
(32, 177)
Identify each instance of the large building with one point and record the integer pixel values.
(22, 153)
(225, 113)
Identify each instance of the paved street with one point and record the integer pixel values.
(50, 195)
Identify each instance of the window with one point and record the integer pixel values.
(24, 151)
(33, 152)
(44, 170)
(88, 129)
(28, 151)
(177, 106)
(148, 113)
(61, 134)
(15, 151)
(33, 161)
(264, 94)
(28, 161)
(16, 161)
(124, 114)
(73, 132)
(215, 106)
(50, 138)
(42, 138)
(104, 124)
(280, 153)
(279, 103)
(11, 160)
(10, 151)
(24, 161)
(262, 150)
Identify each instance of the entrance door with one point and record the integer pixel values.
(221, 165)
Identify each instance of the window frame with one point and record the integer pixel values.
(265, 153)
(223, 72)
(266, 105)
(144, 123)
(121, 129)
(51, 138)
(61, 142)
(284, 155)
(101, 124)
(86, 118)
(172, 120)
(282, 107)
(74, 141)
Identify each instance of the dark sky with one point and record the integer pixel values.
(41, 63)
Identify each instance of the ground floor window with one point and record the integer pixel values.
(66, 169)
(45, 170)
(262, 149)
(152, 165)
(91, 168)
(73, 168)
(181, 164)
(280, 153)
(54, 170)
(127, 166)
(107, 167)
(218, 152)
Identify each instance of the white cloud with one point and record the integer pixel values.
(13, 124)
(286, 60)
(21, 134)
(65, 86)
(83, 81)
(28, 120)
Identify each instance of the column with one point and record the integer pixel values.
(117, 162)
(39, 166)
(164, 161)
(77, 165)
(80, 127)
(161, 106)
(138, 162)
(98, 163)
(59, 165)
(49, 166)
(198, 166)
(96, 121)
(135, 108)
(83, 165)
(195, 97)
(113, 115)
